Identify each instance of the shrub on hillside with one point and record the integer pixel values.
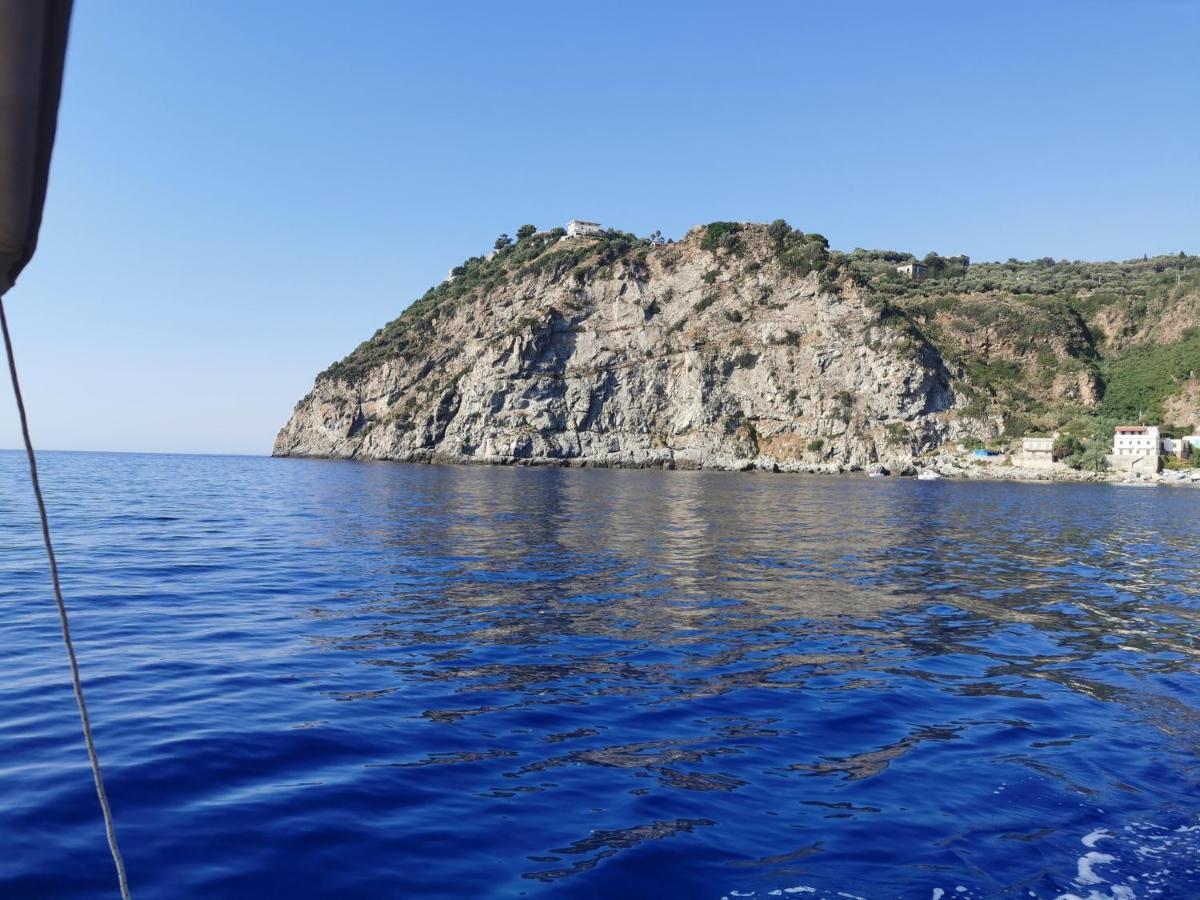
(721, 235)
(1066, 445)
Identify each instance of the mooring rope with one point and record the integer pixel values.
(109, 829)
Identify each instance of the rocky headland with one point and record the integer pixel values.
(747, 346)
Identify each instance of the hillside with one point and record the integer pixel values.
(748, 345)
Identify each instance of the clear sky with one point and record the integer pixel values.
(243, 191)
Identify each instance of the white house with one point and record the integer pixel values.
(914, 270)
(1135, 448)
(579, 228)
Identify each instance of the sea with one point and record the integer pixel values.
(345, 679)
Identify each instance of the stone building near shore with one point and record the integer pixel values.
(1180, 448)
(1135, 449)
(1037, 451)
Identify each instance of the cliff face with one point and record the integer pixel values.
(663, 356)
(741, 346)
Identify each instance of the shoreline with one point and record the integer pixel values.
(947, 468)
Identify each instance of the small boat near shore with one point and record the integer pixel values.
(928, 475)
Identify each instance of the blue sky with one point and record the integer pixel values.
(242, 191)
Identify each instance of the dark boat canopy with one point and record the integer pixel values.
(33, 44)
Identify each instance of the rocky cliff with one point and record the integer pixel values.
(740, 346)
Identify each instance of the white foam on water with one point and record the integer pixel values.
(1089, 840)
(1119, 892)
(1147, 861)
(1087, 862)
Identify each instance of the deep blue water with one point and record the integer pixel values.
(370, 680)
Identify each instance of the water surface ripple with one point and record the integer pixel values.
(319, 678)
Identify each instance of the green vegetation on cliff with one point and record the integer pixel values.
(532, 254)
(1140, 379)
(1043, 343)
(1036, 346)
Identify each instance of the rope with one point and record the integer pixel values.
(62, 616)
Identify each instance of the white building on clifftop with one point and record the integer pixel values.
(579, 228)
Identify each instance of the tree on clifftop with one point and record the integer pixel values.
(526, 231)
(779, 231)
(503, 241)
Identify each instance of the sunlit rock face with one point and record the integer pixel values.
(610, 351)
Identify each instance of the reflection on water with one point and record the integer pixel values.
(373, 680)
